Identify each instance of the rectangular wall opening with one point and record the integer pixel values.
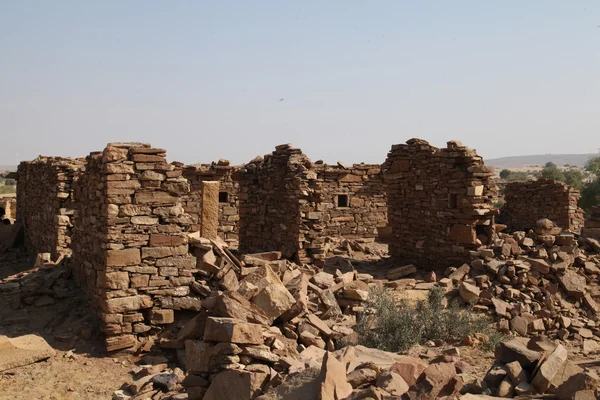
(342, 200)
(452, 200)
(223, 197)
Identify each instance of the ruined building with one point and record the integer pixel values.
(45, 203)
(291, 205)
(130, 240)
(527, 202)
(440, 203)
(125, 214)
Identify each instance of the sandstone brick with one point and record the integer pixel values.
(114, 280)
(210, 209)
(155, 197)
(157, 240)
(232, 331)
(121, 258)
(124, 304)
(161, 316)
(161, 252)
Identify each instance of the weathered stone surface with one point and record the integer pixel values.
(210, 209)
(333, 379)
(573, 283)
(233, 331)
(233, 384)
(392, 383)
(274, 300)
(514, 350)
(469, 292)
(23, 350)
(124, 304)
(436, 381)
(409, 368)
(549, 368)
(121, 258)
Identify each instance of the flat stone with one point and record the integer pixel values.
(23, 350)
(549, 368)
(515, 350)
(232, 331)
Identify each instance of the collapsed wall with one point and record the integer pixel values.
(289, 204)
(222, 172)
(130, 244)
(440, 203)
(528, 202)
(45, 203)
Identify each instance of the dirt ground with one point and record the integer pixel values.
(81, 369)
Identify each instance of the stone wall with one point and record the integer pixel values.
(271, 189)
(130, 245)
(8, 210)
(527, 202)
(440, 203)
(45, 203)
(592, 224)
(348, 202)
(222, 172)
(287, 203)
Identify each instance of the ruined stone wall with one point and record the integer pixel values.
(440, 202)
(345, 202)
(228, 196)
(288, 203)
(130, 241)
(527, 202)
(271, 189)
(45, 203)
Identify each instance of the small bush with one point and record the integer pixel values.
(397, 326)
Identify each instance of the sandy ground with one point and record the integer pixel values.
(79, 370)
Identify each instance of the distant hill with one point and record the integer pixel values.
(8, 168)
(578, 160)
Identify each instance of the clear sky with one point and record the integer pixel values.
(343, 80)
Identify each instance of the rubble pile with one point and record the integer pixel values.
(39, 286)
(536, 366)
(537, 282)
(260, 317)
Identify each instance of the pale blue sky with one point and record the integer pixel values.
(204, 79)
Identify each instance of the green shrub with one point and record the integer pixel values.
(397, 326)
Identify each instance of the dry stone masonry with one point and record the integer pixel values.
(45, 203)
(130, 245)
(271, 189)
(527, 202)
(289, 204)
(228, 196)
(348, 202)
(440, 202)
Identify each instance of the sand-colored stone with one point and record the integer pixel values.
(210, 209)
(23, 350)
